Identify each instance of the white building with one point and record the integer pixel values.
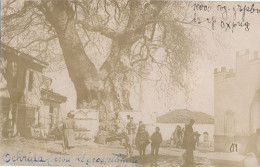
(87, 122)
(204, 124)
(237, 102)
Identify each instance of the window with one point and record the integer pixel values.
(51, 109)
(30, 83)
(255, 113)
(205, 136)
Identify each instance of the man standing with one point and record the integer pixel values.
(258, 145)
(142, 140)
(156, 139)
(189, 144)
(252, 150)
(130, 127)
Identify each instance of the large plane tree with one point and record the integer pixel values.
(133, 36)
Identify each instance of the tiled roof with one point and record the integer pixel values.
(184, 116)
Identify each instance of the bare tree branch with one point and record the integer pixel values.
(102, 29)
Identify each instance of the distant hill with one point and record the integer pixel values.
(184, 116)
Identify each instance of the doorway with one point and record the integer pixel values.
(255, 113)
(21, 120)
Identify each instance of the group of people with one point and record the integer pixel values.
(138, 137)
(141, 139)
(186, 138)
(178, 136)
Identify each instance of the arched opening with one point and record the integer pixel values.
(205, 136)
(255, 113)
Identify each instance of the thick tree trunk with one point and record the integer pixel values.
(81, 70)
(106, 90)
(117, 74)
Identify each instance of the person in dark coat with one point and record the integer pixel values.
(68, 128)
(142, 140)
(253, 145)
(258, 145)
(189, 144)
(156, 139)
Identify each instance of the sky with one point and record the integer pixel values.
(219, 49)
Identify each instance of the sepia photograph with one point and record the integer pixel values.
(130, 83)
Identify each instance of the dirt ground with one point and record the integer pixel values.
(32, 152)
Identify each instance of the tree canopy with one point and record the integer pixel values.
(106, 45)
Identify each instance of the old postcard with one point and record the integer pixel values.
(130, 83)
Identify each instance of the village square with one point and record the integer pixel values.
(31, 131)
(129, 83)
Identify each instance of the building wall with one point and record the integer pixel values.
(33, 96)
(29, 110)
(43, 117)
(88, 128)
(233, 96)
(18, 79)
(25, 103)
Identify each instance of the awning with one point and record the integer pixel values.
(52, 96)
